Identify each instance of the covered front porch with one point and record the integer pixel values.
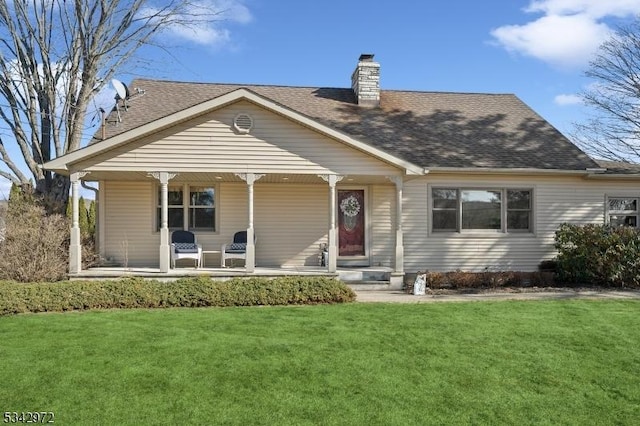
(294, 218)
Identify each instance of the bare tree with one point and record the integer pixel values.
(55, 55)
(613, 130)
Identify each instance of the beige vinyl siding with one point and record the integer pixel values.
(129, 217)
(291, 223)
(383, 229)
(208, 143)
(556, 200)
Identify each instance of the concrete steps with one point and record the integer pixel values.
(369, 285)
(374, 279)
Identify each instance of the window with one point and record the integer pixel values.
(202, 209)
(199, 208)
(622, 211)
(518, 210)
(445, 209)
(481, 209)
(176, 212)
(498, 210)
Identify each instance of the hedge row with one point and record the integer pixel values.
(468, 280)
(186, 292)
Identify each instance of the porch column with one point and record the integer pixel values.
(332, 263)
(250, 261)
(164, 178)
(75, 246)
(399, 260)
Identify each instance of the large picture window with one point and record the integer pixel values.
(481, 209)
(492, 209)
(622, 211)
(198, 207)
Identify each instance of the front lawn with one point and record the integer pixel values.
(551, 362)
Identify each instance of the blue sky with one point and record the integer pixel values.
(535, 49)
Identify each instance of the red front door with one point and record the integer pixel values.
(351, 222)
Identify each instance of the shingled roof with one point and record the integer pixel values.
(429, 129)
(619, 167)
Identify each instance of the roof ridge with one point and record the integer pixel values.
(204, 83)
(236, 84)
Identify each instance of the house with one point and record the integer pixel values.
(383, 178)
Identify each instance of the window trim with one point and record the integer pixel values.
(186, 206)
(504, 210)
(608, 213)
(507, 210)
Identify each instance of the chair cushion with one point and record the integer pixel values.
(240, 237)
(236, 248)
(183, 237)
(185, 247)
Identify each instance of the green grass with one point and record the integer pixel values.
(552, 362)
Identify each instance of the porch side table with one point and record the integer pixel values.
(204, 256)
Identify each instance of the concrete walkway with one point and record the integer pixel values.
(401, 297)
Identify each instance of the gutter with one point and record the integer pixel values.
(616, 176)
(505, 171)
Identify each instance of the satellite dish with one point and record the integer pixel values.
(121, 89)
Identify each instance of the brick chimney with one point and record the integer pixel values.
(365, 81)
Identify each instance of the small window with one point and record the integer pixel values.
(622, 211)
(445, 209)
(518, 210)
(175, 210)
(202, 209)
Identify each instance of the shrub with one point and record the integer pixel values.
(3, 214)
(548, 266)
(86, 218)
(486, 279)
(185, 292)
(34, 247)
(598, 254)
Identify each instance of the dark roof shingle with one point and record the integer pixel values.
(429, 129)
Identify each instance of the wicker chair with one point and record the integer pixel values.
(235, 250)
(185, 246)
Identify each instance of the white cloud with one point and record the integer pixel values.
(234, 10)
(567, 99)
(569, 32)
(594, 8)
(210, 33)
(202, 34)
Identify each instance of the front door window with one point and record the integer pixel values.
(351, 223)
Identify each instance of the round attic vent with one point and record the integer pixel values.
(243, 123)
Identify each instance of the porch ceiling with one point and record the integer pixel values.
(214, 177)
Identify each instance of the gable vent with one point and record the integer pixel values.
(243, 123)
